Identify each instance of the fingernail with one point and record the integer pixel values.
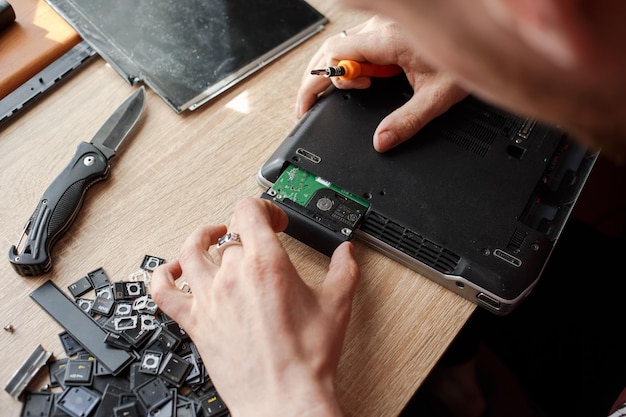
(351, 248)
(384, 140)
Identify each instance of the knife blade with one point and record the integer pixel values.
(62, 200)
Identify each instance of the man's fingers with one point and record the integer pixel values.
(203, 237)
(330, 53)
(311, 85)
(167, 295)
(341, 281)
(256, 221)
(309, 91)
(428, 102)
(194, 254)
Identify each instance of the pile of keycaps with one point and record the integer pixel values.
(165, 378)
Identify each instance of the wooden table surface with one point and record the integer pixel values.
(176, 172)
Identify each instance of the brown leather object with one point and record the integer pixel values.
(36, 39)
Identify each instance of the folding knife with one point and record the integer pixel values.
(61, 202)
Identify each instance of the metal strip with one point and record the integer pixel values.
(81, 327)
(27, 372)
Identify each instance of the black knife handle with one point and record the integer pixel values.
(57, 209)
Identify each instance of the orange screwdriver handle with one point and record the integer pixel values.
(355, 69)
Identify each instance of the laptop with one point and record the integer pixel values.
(476, 201)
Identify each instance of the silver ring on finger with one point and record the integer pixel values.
(229, 239)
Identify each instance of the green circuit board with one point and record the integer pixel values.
(299, 186)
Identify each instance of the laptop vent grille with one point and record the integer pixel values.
(517, 240)
(475, 127)
(410, 243)
(477, 144)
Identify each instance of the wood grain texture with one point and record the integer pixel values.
(177, 172)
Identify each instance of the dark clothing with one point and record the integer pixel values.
(564, 343)
(619, 408)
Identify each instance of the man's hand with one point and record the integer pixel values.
(270, 343)
(381, 42)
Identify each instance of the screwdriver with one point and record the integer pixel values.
(348, 70)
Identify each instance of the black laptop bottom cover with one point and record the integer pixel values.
(476, 200)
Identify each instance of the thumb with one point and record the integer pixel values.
(428, 102)
(170, 299)
(341, 281)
